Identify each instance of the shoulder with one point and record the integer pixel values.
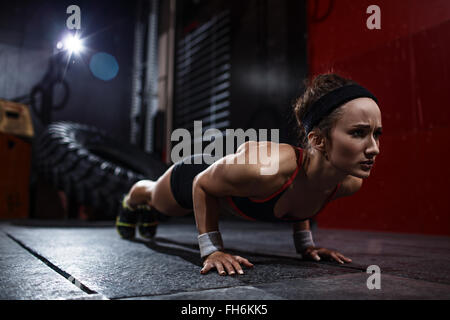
(238, 175)
(280, 155)
(263, 144)
(348, 187)
(281, 152)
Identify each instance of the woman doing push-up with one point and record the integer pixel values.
(339, 125)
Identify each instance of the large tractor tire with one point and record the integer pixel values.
(93, 168)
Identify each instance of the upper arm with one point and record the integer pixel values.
(246, 145)
(228, 178)
(348, 187)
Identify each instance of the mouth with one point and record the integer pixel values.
(367, 165)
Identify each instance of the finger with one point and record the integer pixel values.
(220, 269)
(244, 261)
(315, 255)
(237, 266)
(206, 268)
(229, 267)
(335, 257)
(344, 258)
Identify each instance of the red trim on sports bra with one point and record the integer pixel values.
(299, 162)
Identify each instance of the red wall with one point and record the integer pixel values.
(406, 64)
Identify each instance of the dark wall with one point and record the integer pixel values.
(29, 31)
(268, 58)
(269, 63)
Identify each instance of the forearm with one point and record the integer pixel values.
(300, 226)
(207, 221)
(206, 210)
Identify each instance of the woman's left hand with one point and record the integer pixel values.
(313, 253)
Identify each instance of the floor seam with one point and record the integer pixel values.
(55, 268)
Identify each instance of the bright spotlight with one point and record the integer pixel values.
(73, 44)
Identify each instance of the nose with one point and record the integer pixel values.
(373, 148)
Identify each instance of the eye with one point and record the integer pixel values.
(378, 134)
(357, 133)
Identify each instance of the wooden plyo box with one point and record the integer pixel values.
(15, 166)
(15, 160)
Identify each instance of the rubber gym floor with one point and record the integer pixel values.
(89, 261)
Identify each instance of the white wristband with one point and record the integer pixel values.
(210, 242)
(302, 240)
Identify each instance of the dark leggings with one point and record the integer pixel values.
(182, 177)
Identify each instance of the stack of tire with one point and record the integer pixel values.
(93, 168)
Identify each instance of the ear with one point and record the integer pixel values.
(317, 141)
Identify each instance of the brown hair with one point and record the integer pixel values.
(315, 89)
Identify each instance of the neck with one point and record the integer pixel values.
(321, 175)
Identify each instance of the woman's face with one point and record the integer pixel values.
(355, 137)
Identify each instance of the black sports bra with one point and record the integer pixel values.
(262, 210)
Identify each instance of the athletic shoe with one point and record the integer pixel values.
(126, 221)
(148, 222)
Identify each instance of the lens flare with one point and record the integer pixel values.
(73, 44)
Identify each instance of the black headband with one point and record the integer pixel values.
(332, 100)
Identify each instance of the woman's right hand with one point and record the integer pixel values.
(223, 261)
